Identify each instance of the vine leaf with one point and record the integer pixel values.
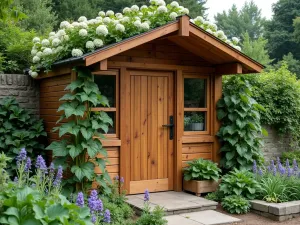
(59, 148)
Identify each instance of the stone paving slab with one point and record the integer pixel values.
(207, 217)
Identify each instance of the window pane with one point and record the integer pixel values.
(107, 87)
(111, 129)
(194, 93)
(194, 121)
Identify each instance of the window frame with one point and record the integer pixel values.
(206, 110)
(115, 109)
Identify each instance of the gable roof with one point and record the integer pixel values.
(183, 33)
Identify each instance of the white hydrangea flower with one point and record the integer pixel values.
(70, 26)
(192, 20)
(45, 42)
(65, 37)
(33, 52)
(214, 27)
(115, 22)
(235, 40)
(82, 19)
(126, 10)
(36, 59)
(137, 23)
(58, 49)
(101, 13)
(56, 42)
(120, 27)
(238, 48)
(110, 13)
(47, 51)
(61, 33)
(125, 19)
(147, 21)
(77, 52)
(135, 8)
(64, 24)
(145, 26)
(153, 2)
(102, 30)
(106, 20)
(92, 21)
(83, 25)
(137, 18)
(75, 24)
(98, 43)
(144, 7)
(161, 2)
(150, 13)
(185, 11)
(36, 40)
(83, 33)
(119, 15)
(51, 34)
(199, 19)
(173, 15)
(34, 74)
(162, 9)
(220, 34)
(209, 31)
(90, 45)
(39, 54)
(174, 4)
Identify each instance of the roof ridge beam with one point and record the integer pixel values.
(184, 26)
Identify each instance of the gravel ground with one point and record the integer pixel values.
(254, 219)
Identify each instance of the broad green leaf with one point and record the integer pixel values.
(74, 150)
(69, 128)
(57, 212)
(59, 148)
(230, 155)
(32, 222)
(38, 212)
(67, 97)
(75, 84)
(84, 170)
(72, 109)
(86, 133)
(12, 211)
(221, 114)
(13, 220)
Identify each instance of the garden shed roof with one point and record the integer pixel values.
(183, 33)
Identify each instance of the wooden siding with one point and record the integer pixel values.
(195, 151)
(112, 166)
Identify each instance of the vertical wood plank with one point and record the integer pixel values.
(144, 128)
(132, 130)
(171, 112)
(150, 125)
(154, 129)
(166, 116)
(179, 131)
(217, 124)
(125, 128)
(160, 130)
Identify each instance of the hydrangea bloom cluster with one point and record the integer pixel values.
(74, 39)
(279, 169)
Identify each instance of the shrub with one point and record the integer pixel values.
(236, 204)
(239, 182)
(241, 129)
(82, 147)
(201, 169)
(215, 196)
(291, 156)
(19, 129)
(3, 174)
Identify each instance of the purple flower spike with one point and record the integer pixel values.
(287, 164)
(281, 169)
(51, 169)
(278, 161)
(269, 169)
(289, 172)
(122, 180)
(106, 218)
(94, 218)
(260, 172)
(254, 169)
(41, 164)
(146, 196)
(274, 171)
(295, 165)
(80, 199)
(272, 165)
(28, 165)
(21, 157)
(116, 177)
(59, 176)
(94, 203)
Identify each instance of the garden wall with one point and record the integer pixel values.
(274, 144)
(23, 87)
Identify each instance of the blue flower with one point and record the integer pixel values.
(146, 196)
(274, 171)
(51, 169)
(106, 218)
(27, 165)
(80, 199)
(289, 172)
(94, 203)
(254, 169)
(122, 180)
(59, 176)
(21, 157)
(260, 172)
(116, 177)
(281, 169)
(41, 164)
(295, 165)
(272, 166)
(287, 164)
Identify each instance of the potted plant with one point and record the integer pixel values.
(187, 123)
(197, 122)
(201, 176)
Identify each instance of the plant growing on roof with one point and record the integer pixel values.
(241, 129)
(80, 149)
(82, 36)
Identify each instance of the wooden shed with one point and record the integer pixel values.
(163, 86)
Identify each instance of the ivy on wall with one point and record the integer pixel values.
(79, 147)
(241, 129)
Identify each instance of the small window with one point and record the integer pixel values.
(108, 83)
(196, 104)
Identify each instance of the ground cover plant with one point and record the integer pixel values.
(236, 204)
(74, 39)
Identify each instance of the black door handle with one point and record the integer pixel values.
(171, 125)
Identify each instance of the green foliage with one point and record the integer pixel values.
(236, 204)
(293, 65)
(152, 218)
(9, 12)
(15, 48)
(280, 30)
(241, 129)
(236, 23)
(201, 169)
(197, 118)
(296, 24)
(196, 7)
(239, 182)
(291, 155)
(256, 49)
(19, 129)
(3, 174)
(215, 196)
(278, 91)
(82, 148)
(39, 15)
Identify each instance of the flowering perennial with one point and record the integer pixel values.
(279, 169)
(74, 39)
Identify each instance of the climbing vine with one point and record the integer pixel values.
(241, 129)
(79, 147)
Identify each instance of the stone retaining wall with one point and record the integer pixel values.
(23, 87)
(274, 144)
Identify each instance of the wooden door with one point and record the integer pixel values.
(151, 148)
